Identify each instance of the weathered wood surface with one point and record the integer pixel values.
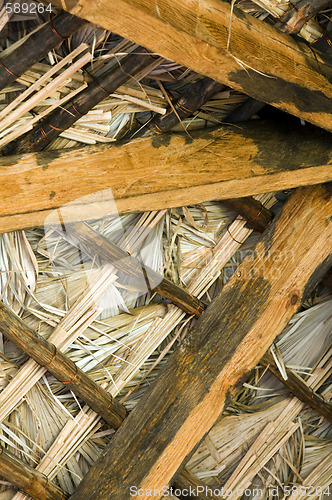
(230, 337)
(161, 172)
(37, 46)
(59, 365)
(253, 211)
(252, 57)
(27, 478)
(299, 388)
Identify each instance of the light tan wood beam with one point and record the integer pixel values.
(230, 337)
(167, 171)
(252, 56)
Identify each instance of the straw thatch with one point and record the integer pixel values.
(118, 335)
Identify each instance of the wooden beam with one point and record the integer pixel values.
(63, 369)
(251, 57)
(299, 388)
(230, 337)
(28, 479)
(133, 268)
(161, 172)
(258, 217)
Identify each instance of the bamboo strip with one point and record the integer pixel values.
(38, 83)
(48, 90)
(18, 132)
(133, 268)
(35, 46)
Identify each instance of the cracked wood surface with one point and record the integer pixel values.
(252, 56)
(161, 172)
(171, 419)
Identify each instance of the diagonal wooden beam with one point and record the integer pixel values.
(28, 479)
(63, 369)
(251, 56)
(227, 341)
(161, 172)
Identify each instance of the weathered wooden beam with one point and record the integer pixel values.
(294, 19)
(28, 479)
(59, 365)
(299, 388)
(133, 268)
(160, 172)
(253, 211)
(227, 341)
(37, 46)
(233, 48)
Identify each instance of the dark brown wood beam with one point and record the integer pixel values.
(299, 388)
(37, 46)
(258, 217)
(63, 369)
(28, 479)
(228, 340)
(251, 56)
(214, 164)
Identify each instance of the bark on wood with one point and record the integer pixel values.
(132, 267)
(252, 57)
(294, 19)
(169, 422)
(212, 164)
(27, 479)
(59, 365)
(61, 119)
(299, 388)
(37, 46)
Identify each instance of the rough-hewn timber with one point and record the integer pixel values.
(251, 56)
(227, 341)
(160, 172)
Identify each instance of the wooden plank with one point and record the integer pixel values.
(230, 337)
(63, 369)
(160, 172)
(252, 57)
(27, 479)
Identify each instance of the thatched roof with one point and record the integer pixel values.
(117, 324)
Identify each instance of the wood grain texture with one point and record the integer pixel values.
(253, 57)
(230, 337)
(161, 172)
(27, 479)
(63, 369)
